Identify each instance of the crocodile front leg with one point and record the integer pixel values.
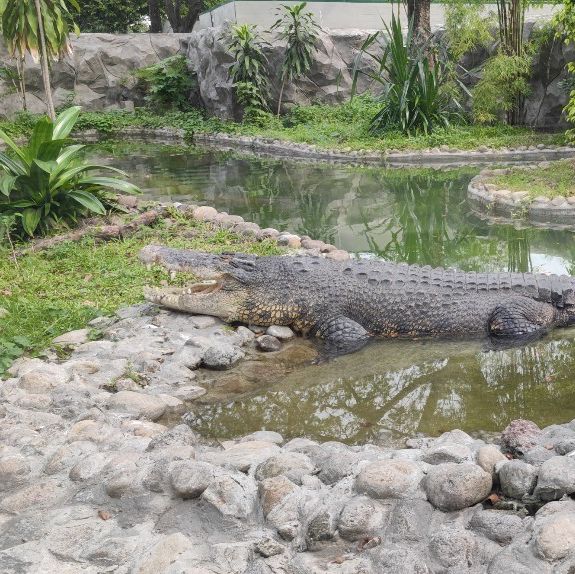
(341, 335)
(519, 320)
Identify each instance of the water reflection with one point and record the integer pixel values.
(413, 215)
(404, 388)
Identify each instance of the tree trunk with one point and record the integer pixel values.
(178, 22)
(418, 11)
(21, 80)
(44, 63)
(155, 16)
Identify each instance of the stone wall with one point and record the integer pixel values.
(99, 74)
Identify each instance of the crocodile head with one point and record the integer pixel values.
(223, 288)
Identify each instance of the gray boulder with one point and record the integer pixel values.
(394, 478)
(556, 478)
(453, 486)
(221, 356)
(517, 478)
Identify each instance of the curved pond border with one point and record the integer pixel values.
(494, 202)
(282, 148)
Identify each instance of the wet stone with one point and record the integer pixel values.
(268, 344)
(221, 356)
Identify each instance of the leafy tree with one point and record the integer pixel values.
(111, 15)
(182, 14)
(46, 183)
(299, 29)
(41, 28)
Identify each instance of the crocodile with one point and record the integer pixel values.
(347, 304)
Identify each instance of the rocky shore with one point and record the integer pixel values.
(99, 474)
(496, 201)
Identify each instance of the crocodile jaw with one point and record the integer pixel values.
(201, 298)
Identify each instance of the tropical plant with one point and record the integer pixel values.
(168, 84)
(46, 183)
(300, 31)
(416, 94)
(564, 22)
(248, 72)
(41, 28)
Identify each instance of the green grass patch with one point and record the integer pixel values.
(51, 292)
(329, 127)
(556, 180)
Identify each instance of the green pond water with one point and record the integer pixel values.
(390, 389)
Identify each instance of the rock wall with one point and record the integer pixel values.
(98, 74)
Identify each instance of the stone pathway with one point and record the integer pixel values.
(93, 480)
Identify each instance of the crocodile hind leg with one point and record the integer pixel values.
(520, 320)
(340, 335)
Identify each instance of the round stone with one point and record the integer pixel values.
(488, 456)
(293, 465)
(205, 213)
(268, 344)
(221, 356)
(280, 332)
(520, 436)
(556, 537)
(556, 478)
(189, 478)
(393, 478)
(517, 478)
(453, 486)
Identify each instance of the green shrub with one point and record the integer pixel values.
(564, 23)
(416, 94)
(504, 80)
(167, 84)
(46, 183)
(248, 72)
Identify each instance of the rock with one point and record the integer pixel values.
(221, 356)
(232, 494)
(292, 465)
(245, 335)
(180, 435)
(273, 491)
(520, 436)
(453, 547)
(361, 517)
(409, 521)
(205, 213)
(190, 478)
(268, 344)
(338, 255)
(448, 452)
(517, 478)
(390, 479)
(453, 486)
(268, 436)
(556, 478)
(243, 455)
(72, 338)
(143, 406)
(280, 332)
(488, 456)
(555, 538)
(497, 525)
(269, 547)
(159, 557)
(43, 379)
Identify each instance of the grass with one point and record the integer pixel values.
(330, 127)
(556, 180)
(51, 292)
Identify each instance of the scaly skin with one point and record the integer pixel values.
(346, 304)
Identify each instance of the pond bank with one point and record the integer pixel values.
(93, 480)
(443, 155)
